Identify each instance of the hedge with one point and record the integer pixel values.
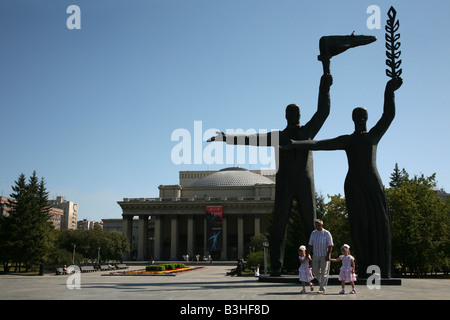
(164, 267)
(155, 268)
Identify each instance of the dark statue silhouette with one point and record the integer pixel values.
(364, 191)
(295, 174)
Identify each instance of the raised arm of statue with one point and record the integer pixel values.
(388, 110)
(323, 106)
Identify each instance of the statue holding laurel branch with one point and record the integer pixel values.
(364, 191)
(295, 176)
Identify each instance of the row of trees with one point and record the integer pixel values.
(420, 227)
(90, 246)
(420, 223)
(28, 239)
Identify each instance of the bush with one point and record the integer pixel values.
(255, 258)
(164, 267)
(169, 266)
(155, 268)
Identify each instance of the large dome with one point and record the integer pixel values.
(232, 177)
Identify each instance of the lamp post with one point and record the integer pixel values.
(98, 255)
(266, 248)
(73, 255)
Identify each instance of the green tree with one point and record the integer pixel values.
(113, 245)
(256, 255)
(420, 224)
(398, 177)
(335, 220)
(26, 233)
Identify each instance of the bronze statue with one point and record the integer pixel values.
(364, 191)
(295, 175)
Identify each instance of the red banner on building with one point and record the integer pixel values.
(214, 218)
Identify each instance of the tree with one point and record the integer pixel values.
(335, 219)
(26, 232)
(420, 224)
(256, 256)
(113, 245)
(398, 177)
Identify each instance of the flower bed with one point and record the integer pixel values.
(161, 269)
(165, 271)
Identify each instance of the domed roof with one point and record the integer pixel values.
(232, 177)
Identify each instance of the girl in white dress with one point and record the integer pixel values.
(304, 271)
(347, 271)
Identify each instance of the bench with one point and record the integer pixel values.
(87, 269)
(105, 267)
(60, 271)
(121, 266)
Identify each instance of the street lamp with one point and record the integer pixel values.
(73, 255)
(98, 256)
(266, 248)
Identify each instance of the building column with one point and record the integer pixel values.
(174, 237)
(190, 236)
(157, 241)
(127, 230)
(142, 238)
(240, 234)
(257, 223)
(224, 255)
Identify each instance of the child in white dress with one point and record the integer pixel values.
(304, 271)
(347, 271)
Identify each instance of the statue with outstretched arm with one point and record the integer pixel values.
(295, 174)
(364, 191)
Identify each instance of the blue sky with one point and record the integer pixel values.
(93, 110)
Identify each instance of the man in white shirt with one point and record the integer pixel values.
(321, 245)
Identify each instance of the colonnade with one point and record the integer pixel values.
(241, 226)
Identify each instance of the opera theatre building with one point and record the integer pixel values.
(208, 213)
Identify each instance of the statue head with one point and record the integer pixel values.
(359, 116)
(293, 114)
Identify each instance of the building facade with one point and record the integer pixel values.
(208, 213)
(56, 215)
(4, 207)
(117, 225)
(70, 216)
(87, 224)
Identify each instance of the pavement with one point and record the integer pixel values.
(207, 284)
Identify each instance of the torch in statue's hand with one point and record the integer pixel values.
(219, 137)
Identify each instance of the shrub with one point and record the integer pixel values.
(164, 267)
(155, 268)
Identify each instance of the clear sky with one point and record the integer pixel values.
(93, 110)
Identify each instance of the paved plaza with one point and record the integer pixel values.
(207, 283)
